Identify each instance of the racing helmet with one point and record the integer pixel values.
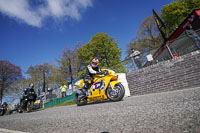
(95, 62)
(31, 85)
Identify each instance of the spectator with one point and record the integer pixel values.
(50, 93)
(193, 35)
(63, 89)
(136, 56)
(4, 104)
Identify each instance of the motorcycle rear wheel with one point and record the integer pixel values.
(80, 101)
(117, 93)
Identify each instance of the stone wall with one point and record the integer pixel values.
(178, 73)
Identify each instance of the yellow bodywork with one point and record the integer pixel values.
(80, 83)
(97, 94)
(37, 101)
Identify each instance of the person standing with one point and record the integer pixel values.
(50, 90)
(63, 89)
(136, 56)
(193, 35)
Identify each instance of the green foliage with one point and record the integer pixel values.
(174, 13)
(119, 68)
(103, 47)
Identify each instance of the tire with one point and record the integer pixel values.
(2, 113)
(19, 110)
(116, 95)
(79, 101)
(41, 104)
(29, 106)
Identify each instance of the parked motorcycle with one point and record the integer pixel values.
(14, 110)
(104, 87)
(3, 109)
(27, 102)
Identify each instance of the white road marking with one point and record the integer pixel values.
(2, 130)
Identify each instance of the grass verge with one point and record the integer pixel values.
(64, 104)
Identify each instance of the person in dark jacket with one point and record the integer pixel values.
(26, 91)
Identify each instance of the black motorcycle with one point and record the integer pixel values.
(3, 109)
(27, 102)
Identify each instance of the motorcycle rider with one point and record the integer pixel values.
(91, 70)
(4, 105)
(26, 91)
(31, 88)
(3, 108)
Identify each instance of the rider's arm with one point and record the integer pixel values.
(91, 70)
(100, 69)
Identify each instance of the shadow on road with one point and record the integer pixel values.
(100, 102)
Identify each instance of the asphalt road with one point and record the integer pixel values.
(168, 112)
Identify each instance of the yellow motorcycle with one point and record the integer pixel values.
(104, 87)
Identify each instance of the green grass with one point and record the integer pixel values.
(64, 104)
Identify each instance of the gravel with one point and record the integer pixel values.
(168, 112)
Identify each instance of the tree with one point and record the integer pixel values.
(69, 62)
(148, 36)
(15, 90)
(55, 78)
(42, 74)
(174, 13)
(9, 73)
(103, 47)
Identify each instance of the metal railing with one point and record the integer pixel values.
(184, 44)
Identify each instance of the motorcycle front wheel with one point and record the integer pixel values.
(29, 106)
(20, 110)
(80, 100)
(117, 93)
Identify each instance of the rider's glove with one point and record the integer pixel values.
(100, 73)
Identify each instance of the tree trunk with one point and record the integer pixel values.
(70, 70)
(44, 83)
(38, 92)
(106, 55)
(2, 87)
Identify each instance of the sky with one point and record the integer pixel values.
(36, 31)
